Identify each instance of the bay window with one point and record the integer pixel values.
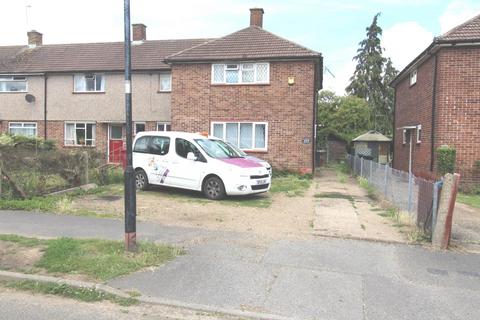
(90, 82)
(241, 73)
(79, 134)
(245, 135)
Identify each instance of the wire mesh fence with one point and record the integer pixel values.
(417, 196)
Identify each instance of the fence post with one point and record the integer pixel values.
(85, 154)
(385, 180)
(361, 167)
(371, 169)
(410, 190)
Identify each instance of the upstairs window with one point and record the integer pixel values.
(241, 73)
(89, 82)
(13, 84)
(413, 77)
(165, 82)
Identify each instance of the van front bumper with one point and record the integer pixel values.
(249, 186)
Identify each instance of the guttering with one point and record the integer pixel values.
(243, 59)
(434, 104)
(428, 52)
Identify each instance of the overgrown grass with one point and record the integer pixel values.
(64, 290)
(469, 199)
(292, 185)
(371, 192)
(96, 259)
(341, 170)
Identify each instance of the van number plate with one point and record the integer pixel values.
(263, 181)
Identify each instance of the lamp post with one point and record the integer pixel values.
(130, 192)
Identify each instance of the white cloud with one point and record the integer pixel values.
(457, 12)
(404, 41)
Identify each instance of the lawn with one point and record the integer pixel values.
(469, 199)
(93, 258)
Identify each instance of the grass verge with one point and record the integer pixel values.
(472, 200)
(64, 290)
(93, 258)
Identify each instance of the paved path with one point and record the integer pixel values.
(466, 228)
(314, 279)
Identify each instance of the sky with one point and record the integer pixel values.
(332, 27)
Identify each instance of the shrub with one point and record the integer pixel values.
(446, 159)
(30, 143)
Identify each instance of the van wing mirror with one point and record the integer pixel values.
(191, 156)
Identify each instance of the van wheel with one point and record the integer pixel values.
(141, 180)
(214, 189)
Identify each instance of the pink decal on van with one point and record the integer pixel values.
(242, 162)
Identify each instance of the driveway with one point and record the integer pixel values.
(466, 228)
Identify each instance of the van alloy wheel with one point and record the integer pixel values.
(214, 188)
(141, 180)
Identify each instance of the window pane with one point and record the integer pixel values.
(13, 86)
(232, 76)
(139, 127)
(99, 82)
(232, 133)
(90, 131)
(262, 72)
(260, 136)
(218, 73)
(160, 145)
(246, 135)
(141, 145)
(247, 76)
(23, 129)
(218, 130)
(169, 127)
(89, 83)
(79, 81)
(80, 136)
(165, 81)
(116, 132)
(183, 147)
(69, 134)
(160, 127)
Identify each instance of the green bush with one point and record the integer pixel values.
(30, 143)
(446, 159)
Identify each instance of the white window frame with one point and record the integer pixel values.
(75, 123)
(22, 125)
(164, 124)
(413, 77)
(419, 134)
(160, 80)
(84, 75)
(253, 123)
(139, 122)
(13, 78)
(240, 68)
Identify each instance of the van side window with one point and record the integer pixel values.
(183, 147)
(141, 145)
(160, 145)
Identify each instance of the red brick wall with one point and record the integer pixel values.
(287, 109)
(458, 112)
(413, 106)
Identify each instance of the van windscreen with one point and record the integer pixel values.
(217, 149)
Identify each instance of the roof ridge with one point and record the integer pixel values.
(202, 44)
(454, 29)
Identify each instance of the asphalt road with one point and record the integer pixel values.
(301, 279)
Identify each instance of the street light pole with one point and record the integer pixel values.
(130, 192)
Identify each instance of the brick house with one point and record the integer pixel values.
(251, 87)
(437, 102)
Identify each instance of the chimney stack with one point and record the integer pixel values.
(34, 38)
(139, 32)
(256, 17)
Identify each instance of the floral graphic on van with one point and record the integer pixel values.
(159, 172)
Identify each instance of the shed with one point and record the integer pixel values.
(373, 146)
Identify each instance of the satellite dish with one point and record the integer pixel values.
(29, 98)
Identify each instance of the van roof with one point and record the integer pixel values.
(179, 134)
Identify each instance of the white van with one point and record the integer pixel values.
(195, 162)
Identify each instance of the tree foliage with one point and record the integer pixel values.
(343, 116)
(372, 77)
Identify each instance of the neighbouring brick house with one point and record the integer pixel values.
(251, 87)
(437, 102)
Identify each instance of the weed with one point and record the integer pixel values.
(61, 289)
(371, 192)
(363, 226)
(469, 199)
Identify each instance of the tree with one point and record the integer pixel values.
(372, 77)
(345, 117)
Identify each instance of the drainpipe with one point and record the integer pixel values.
(393, 130)
(434, 102)
(45, 106)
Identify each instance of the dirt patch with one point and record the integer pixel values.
(15, 257)
(272, 215)
(466, 228)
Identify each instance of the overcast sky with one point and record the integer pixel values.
(332, 27)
